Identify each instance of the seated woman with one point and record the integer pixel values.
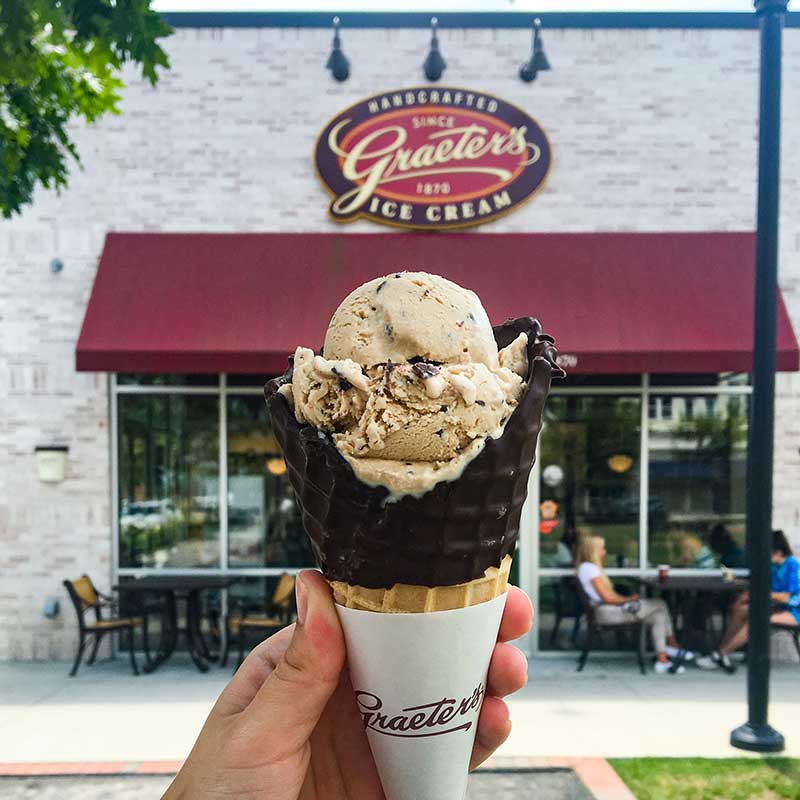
(692, 553)
(723, 544)
(613, 608)
(785, 605)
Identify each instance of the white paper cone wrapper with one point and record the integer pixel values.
(419, 681)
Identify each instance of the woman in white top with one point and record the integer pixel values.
(613, 608)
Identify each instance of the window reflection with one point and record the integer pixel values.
(264, 522)
(590, 476)
(697, 482)
(168, 481)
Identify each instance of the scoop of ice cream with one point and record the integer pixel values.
(425, 412)
(409, 403)
(411, 315)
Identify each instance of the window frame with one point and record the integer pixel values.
(222, 391)
(529, 530)
(530, 571)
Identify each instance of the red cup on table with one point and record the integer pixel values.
(663, 573)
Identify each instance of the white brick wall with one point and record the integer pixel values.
(651, 130)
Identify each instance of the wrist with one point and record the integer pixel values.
(179, 788)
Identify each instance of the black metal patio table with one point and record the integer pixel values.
(700, 587)
(174, 588)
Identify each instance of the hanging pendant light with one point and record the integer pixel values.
(434, 64)
(337, 61)
(538, 61)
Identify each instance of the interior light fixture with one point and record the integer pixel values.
(619, 463)
(276, 466)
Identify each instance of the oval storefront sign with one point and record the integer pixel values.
(431, 158)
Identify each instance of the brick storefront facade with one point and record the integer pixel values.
(651, 130)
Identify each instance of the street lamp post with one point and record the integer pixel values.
(756, 734)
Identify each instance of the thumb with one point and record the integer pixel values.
(290, 702)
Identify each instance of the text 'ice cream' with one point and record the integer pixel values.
(410, 384)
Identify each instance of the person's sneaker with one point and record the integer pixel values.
(667, 667)
(678, 652)
(726, 663)
(716, 660)
(707, 662)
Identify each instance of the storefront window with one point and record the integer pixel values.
(697, 482)
(168, 480)
(590, 477)
(264, 521)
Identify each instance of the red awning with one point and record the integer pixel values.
(616, 302)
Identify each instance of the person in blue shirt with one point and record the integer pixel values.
(785, 605)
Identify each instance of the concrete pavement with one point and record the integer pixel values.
(609, 710)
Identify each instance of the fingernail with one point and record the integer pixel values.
(301, 595)
(525, 662)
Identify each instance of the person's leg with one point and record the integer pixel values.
(669, 630)
(655, 615)
(736, 640)
(738, 623)
(611, 615)
(783, 618)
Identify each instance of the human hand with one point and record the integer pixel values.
(635, 596)
(287, 726)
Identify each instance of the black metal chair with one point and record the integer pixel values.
(85, 597)
(594, 627)
(566, 604)
(243, 625)
(794, 631)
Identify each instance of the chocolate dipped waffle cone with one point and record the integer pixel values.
(446, 538)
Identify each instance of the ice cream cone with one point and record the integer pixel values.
(447, 537)
(404, 598)
(420, 578)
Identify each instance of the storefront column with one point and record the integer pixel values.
(529, 553)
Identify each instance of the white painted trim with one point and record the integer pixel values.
(247, 390)
(529, 553)
(168, 389)
(113, 433)
(650, 572)
(700, 390)
(644, 472)
(596, 390)
(255, 572)
(223, 473)
(223, 505)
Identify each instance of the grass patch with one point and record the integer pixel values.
(711, 778)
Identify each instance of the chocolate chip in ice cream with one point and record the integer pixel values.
(424, 370)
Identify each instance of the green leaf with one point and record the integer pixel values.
(60, 61)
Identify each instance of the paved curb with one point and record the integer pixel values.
(38, 769)
(596, 774)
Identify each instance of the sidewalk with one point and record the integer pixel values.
(609, 710)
